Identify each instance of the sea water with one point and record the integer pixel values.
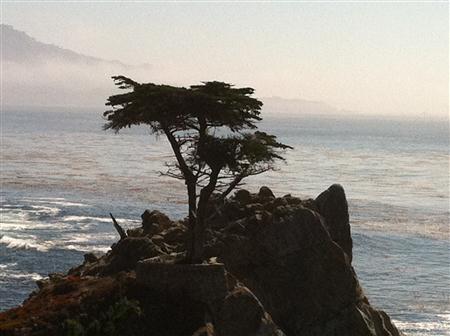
(62, 175)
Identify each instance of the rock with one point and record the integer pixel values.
(257, 221)
(158, 239)
(235, 313)
(270, 206)
(332, 205)
(207, 330)
(310, 204)
(302, 277)
(265, 193)
(177, 233)
(90, 258)
(233, 210)
(154, 222)
(56, 277)
(292, 200)
(127, 252)
(204, 283)
(298, 247)
(42, 283)
(241, 314)
(242, 196)
(135, 232)
(251, 208)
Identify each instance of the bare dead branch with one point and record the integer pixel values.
(118, 228)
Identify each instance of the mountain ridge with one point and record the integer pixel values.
(20, 47)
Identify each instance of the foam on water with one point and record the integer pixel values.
(28, 276)
(29, 243)
(89, 248)
(4, 266)
(87, 219)
(60, 202)
(9, 271)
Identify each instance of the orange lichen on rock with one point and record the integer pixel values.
(57, 300)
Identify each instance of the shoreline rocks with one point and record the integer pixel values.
(277, 266)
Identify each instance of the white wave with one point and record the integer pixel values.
(61, 202)
(11, 223)
(87, 248)
(8, 216)
(86, 218)
(7, 207)
(78, 238)
(44, 209)
(33, 209)
(15, 275)
(30, 243)
(7, 265)
(44, 198)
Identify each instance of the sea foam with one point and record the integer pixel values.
(30, 243)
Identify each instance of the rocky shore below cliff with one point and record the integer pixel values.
(275, 266)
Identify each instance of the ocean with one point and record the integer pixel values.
(61, 175)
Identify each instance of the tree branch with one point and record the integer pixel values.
(176, 149)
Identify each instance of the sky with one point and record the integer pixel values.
(389, 58)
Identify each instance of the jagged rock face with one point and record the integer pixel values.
(291, 264)
(241, 314)
(332, 205)
(295, 256)
(231, 308)
(203, 283)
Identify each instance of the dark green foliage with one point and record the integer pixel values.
(207, 127)
(119, 320)
(74, 328)
(180, 109)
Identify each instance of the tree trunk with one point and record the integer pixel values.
(199, 230)
(200, 221)
(191, 182)
(192, 202)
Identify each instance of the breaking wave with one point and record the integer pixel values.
(26, 244)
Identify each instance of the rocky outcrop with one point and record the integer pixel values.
(277, 266)
(332, 205)
(230, 307)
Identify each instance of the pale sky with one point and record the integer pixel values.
(370, 58)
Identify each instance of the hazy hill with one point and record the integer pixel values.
(41, 74)
(37, 73)
(19, 47)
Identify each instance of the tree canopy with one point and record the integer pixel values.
(211, 130)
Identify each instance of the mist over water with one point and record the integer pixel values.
(62, 175)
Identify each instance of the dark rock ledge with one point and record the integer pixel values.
(277, 266)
